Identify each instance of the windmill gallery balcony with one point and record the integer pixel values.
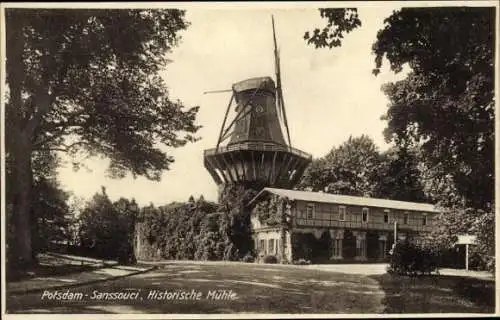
(271, 164)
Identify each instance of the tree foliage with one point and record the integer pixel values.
(339, 22)
(348, 169)
(445, 105)
(234, 200)
(466, 221)
(444, 108)
(52, 218)
(89, 81)
(194, 230)
(107, 229)
(269, 211)
(94, 75)
(198, 229)
(400, 176)
(358, 168)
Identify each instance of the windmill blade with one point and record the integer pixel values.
(276, 71)
(280, 103)
(218, 91)
(225, 119)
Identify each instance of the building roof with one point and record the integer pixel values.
(347, 200)
(265, 83)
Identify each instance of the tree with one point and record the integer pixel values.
(357, 168)
(107, 229)
(349, 169)
(445, 105)
(88, 81)
(456, 221)
(51, 216)
(399, 176)
(97, 225)
(233, 202)
(127, 212)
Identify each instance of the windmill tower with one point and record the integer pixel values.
(251, 149)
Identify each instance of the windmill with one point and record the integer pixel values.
(251, 148)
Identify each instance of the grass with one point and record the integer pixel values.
(437, 294)
(276, 289)
(49, 265)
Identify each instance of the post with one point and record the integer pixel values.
(395, 231)
(467, 257)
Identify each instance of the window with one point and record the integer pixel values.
(364, 214)
(341, 213)
(424, 220)
(310, 211)
(386, 216)
(271, 245)
(406, 219)
(262, 245)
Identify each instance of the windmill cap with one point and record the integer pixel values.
(264, 83)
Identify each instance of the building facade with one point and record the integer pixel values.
(324, 227)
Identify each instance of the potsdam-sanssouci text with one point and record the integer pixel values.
(67, 295)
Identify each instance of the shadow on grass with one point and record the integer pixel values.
(47, 271)
(48, 265)
(436, 294)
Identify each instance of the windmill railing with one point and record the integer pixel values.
(257, 146)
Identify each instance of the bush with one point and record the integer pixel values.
(411, 260)
(270, 259)
(198, 229)
(248, 258)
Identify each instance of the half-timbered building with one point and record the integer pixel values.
(328, 227)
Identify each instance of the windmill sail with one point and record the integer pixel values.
(280, 103)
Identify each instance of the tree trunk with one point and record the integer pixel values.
(18, 147)
(21, 253)
(20, 127)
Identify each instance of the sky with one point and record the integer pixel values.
(330, 94)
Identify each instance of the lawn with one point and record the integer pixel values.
(437, 294)
(49, 265)
(276, 289)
